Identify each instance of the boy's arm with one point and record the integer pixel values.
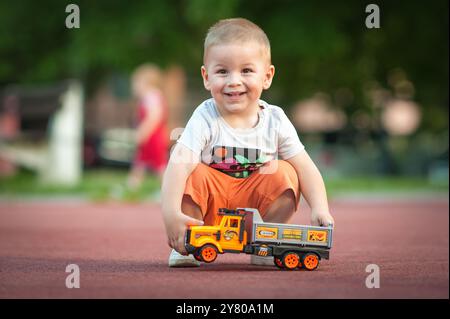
(312, 188)
(181, 164)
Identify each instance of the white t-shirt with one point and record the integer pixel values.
(239, 152)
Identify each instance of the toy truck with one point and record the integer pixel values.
(243, 231)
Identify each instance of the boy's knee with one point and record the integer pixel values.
(284, 177)
(286, 167)
(197, 190)
(280, 170)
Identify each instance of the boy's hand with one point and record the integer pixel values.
(176, 225)
(321, 218)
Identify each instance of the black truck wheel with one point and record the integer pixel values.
(197, 256)
(277, 261)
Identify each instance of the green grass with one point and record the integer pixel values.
(108, 184)
(97, 185)
(384, 185)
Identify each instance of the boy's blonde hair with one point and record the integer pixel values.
(236, 30)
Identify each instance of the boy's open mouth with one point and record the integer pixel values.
(235, 93)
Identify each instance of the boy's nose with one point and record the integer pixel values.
(234, 79)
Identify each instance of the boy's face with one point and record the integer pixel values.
(236, 74)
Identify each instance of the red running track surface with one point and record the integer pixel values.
(121, 251)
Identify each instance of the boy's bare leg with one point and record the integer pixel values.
(282, 208)
(190, 208)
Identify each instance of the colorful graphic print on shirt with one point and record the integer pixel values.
(236, 161)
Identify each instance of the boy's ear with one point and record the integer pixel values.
(205, 77)
(268, 77)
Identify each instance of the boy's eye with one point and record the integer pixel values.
(221, 71)
(247, 70)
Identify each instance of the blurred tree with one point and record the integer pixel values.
(317, 46)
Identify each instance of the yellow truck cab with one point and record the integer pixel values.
(243, 231)
(228, 235)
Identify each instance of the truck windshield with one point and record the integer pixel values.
(234, 222)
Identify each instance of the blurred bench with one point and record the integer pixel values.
(41, 129)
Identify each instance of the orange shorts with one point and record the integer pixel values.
(211, 189)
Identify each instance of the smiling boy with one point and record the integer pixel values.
(237, 150)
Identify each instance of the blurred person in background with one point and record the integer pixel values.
(152, 141)
(9, 130)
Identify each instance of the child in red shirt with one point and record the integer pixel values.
(151, 137)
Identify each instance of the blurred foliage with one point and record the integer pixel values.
(97, 185)
(317, 45)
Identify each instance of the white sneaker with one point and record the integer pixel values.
(178, 260)
(261, 260)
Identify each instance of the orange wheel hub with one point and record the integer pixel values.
(291, 260)
(310, 261)
(208, 253)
